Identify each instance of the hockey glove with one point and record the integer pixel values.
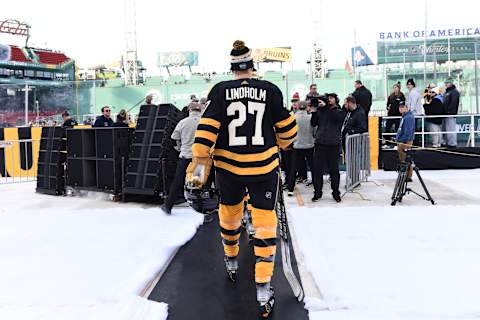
(198, 171)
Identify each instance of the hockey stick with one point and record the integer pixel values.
(285, 247)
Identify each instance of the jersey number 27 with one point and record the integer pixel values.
(255, 108)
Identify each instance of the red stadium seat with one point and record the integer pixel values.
(17, 55)
(49, 57)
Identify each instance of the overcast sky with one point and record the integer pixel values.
(92, 31)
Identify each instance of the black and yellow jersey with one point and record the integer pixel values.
(244, 122)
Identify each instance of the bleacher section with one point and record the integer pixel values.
(49, 57)
(37, 56)
(18, 55)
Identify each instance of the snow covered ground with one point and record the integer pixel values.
(369, 260)
(83, 258)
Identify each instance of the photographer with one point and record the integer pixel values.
(405, 135)
(328, 138)
(433, 108)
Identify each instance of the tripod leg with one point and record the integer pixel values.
(403, 186)
(400, 186)
(397, 185)
(429, 197)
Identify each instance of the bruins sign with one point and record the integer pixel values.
(17, 158)
(272, 54)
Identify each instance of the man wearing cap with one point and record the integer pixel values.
(295, 101)
(451, 101)
(405, 135)
(434, 108)
(184, 135)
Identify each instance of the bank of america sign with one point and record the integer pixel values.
(434, 33)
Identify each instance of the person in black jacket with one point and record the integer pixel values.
(68, 122)
(104, 120)
(393, 102)
(328, 120)
(451, 101)
(435, 107)
(355, 121)
(122, 119)
(363, 96)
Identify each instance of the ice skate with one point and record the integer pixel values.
(231, 265)
(266, 299)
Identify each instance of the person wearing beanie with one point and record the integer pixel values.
(183, 134)
(451, 102)
(302, 147)
(243, 126)
(414, 99)
(435, 107)
(295, 101)
(122, 119)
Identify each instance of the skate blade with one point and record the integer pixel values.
(267, 309)
(232, 276)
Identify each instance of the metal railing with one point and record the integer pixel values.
(357, 159)
(18, 160)
(466, 124)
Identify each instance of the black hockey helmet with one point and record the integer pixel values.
(204, 200)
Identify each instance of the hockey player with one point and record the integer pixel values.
(243, 125)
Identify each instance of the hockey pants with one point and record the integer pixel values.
(263, 197)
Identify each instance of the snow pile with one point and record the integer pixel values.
(392, 262)
(83, 263)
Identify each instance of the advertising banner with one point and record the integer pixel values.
(437, 50)
(283, 54)
(177, 59)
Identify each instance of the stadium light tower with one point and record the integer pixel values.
(318, 55)
(130, 61)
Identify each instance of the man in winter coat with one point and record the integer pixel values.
(434, 108)
(451, 101)
(405, 135)
(104, 120)
(328, 138)
(355, 121)
(363, 96)
(303, 145)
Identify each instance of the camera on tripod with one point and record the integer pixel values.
(405, 171)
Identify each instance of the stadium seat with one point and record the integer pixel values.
(49, 57)
(17, 55)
